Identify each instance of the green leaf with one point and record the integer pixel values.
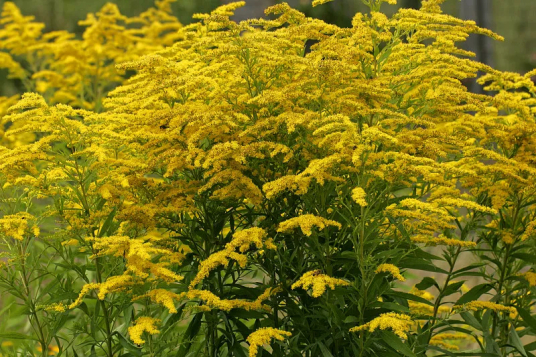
(245, 315)
(238, 350)
(190, 334)
(422, 265)
(396, 343)
(15, 336)
(426, 283)
(351, 319)
(107, 223)
(471, 320)
(530, 347)
(529, 258)
(473, 294)
(463, 270)
(393, 307)
(459, 354)
(419, 253)
(491, 344)
(324, 350)
(452, 288)
(128, 345)
(3, 311)
(408, 296)
(516, 341)
(527, 318)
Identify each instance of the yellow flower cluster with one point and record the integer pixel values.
(163, 297)
(141, 325)
(529, 231)
(441, 240)
(445, 340)
(263, 336)
(17, 225)
(138, 253)
(358, 195)
(150, 142)
(85, 290)
(399, 323)
(320, 2)
(80, 72)
(306, 222)
(214, 302)
(242, 241)
(57, 307)
(422, 309)
(318, 281)
(391, 269)
(530, 277)
(485, 305)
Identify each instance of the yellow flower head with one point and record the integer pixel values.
(399, 323)
(163, 297)
(306, 222)
(530, 277)
(263, 336)
(391, 269)
(319, 282)
(483, 305)
(16, 226)
(358, 195)
(143, 324)
(320, 2)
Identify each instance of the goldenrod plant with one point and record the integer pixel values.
(229, 189)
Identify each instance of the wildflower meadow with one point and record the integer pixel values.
(271, 187)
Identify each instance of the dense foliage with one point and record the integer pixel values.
(264, 188)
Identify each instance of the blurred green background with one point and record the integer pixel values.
(514, 19)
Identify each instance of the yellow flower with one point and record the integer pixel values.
(434, 241)
(85, 290)
(16, 225)
(319, 282)
(358, 195)
(444, 340)
(242, 240)
(399, 323)
(58, 307)
(482, 305)
(320, 2)
(213, 301)
(306, 222)
(263, 336)
(143, 324)
(391, 269)
(530, 230)
(163, 297)
(507, 237)
(530, 277)
(70, 243)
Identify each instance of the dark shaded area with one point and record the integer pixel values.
(412, 4)
(481, 12)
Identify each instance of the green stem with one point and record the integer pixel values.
(437, 303)
(37, 326)
(109, 337)
(500, 287)
(363, 283)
